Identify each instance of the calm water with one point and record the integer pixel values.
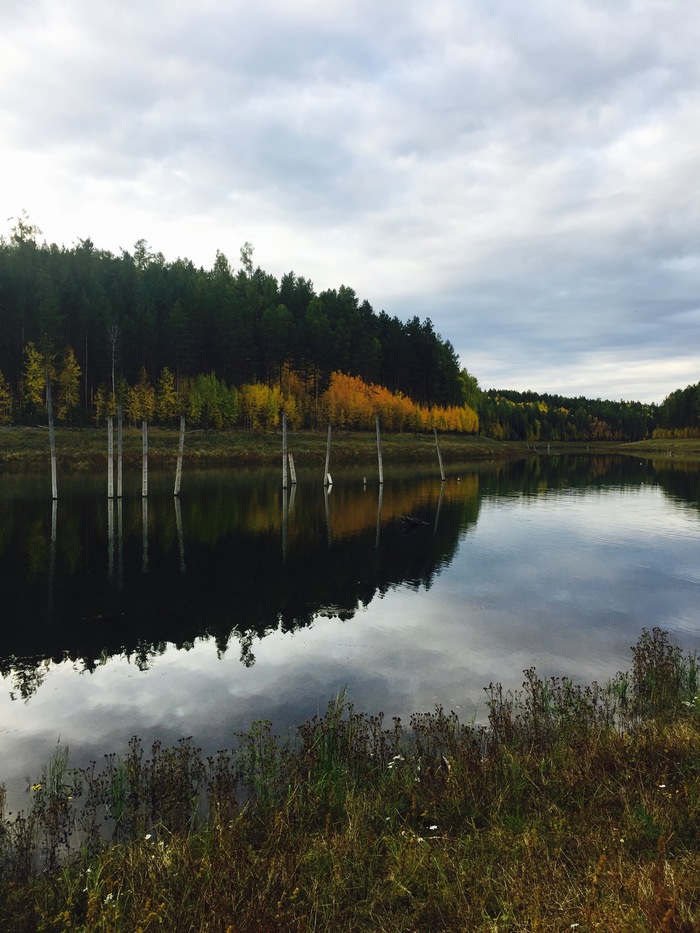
(169, 619)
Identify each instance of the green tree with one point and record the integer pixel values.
(471, 393)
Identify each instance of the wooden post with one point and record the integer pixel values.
(437, 444)
(379, 517)
(180, 451)
(110, 457)
(292, 471)
(284, 449)
(379, 454)
(327, 481)
(120, 449)
(144, 472)
(52, 437)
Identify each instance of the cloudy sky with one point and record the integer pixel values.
(527, 175)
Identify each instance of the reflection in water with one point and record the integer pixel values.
(252, 567)
(180, 535)
(556, 562)
(379, 513)
(338, 549)
(439, 505)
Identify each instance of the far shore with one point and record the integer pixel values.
(27, 448)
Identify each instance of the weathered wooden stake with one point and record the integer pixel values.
(284, 449)
(292, 471)
(52, 437)
(437, 444)
(180, 452)
(110, 457)
(379, 454)
(144, 472)
(120, 448)
(326, 475)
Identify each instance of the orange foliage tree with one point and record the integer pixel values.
(352, 403)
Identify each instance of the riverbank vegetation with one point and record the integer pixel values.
(86, 448)
(574, 807)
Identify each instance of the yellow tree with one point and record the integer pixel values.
(34, 376)
(141, 401)
(5, 401)
(167, 403)
(68, 385)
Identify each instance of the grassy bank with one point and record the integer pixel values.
(86, 449)
(574, 808)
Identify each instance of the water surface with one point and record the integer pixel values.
(238, 602)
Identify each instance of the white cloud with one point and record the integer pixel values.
(525, 176)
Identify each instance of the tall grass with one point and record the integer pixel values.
(575, 807)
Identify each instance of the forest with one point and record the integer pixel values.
(227, 347)
(233, 347)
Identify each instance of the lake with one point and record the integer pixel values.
(194, 617)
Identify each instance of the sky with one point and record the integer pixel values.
(526, 175)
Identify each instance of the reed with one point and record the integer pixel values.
(573, 807)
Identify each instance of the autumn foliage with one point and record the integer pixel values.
(349, 402)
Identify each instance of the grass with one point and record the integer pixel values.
(86, 448)
(572, 808)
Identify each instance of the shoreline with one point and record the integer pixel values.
(81, 449)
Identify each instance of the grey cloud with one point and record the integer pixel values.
(524, 175)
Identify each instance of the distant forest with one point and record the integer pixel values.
(230, 348)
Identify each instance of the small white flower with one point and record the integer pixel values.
(662, 785)
(434, 826)
(148, 836)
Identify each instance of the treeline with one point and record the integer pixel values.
(348, 402)
(679, 413)
(119, 316)
(530, 416)
(207, 401)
